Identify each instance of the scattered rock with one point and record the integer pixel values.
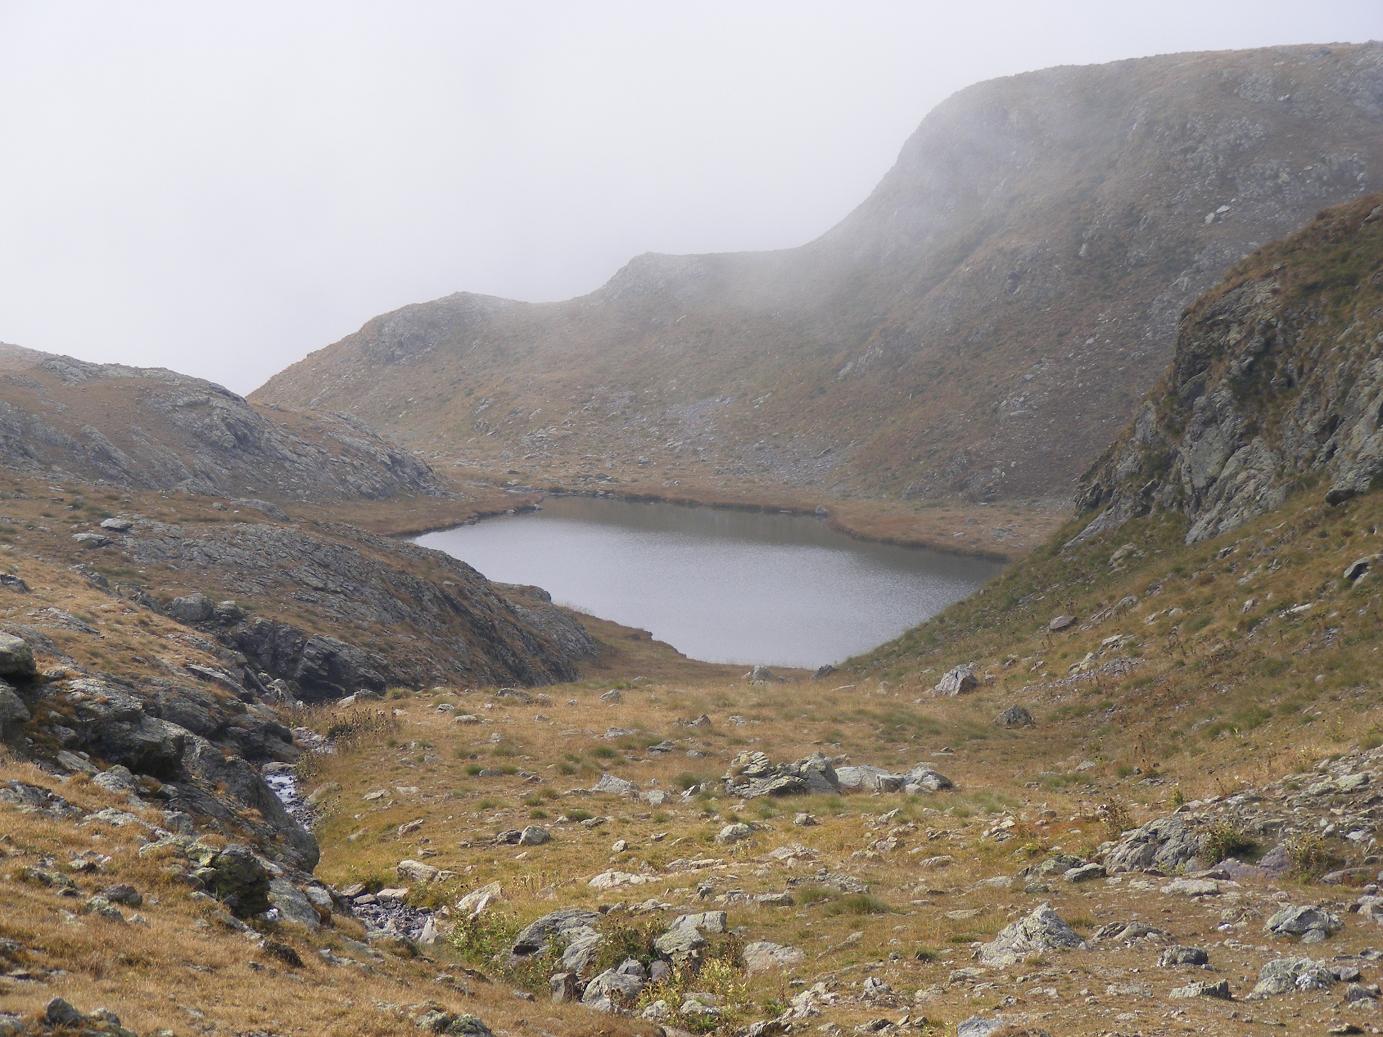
(764, 956)
(16, 659)
(1284, 975)
(1039, 931)
(1015, 716)
(957, 681)
(1200, 988)
(733, 833)
(1172, 957)
(1308, 922)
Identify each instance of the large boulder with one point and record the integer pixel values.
(1284, 975)
(322, 667)
(752, 774)
(925, 778)
(765, 956)
(1167, 844)
(16, 659)
(192, 609)
(13, 712)
(615, 989)
(957, 681)
(614, 785)
(538, 936)
(112, 723)
(1039, 931)
(868, 778)
(1310, 923)
(236, 877)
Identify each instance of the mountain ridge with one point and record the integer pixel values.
(924, 348)
(154, 428)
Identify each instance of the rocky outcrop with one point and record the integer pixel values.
(1277, 382)
(148, 428)
(208, 770)
(1278, 825)
(980, 325)
(752, 774)
(332, 590)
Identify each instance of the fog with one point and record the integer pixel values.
(221, 188)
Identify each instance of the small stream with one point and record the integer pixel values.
(386, 917)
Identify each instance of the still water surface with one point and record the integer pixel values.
(726, 586)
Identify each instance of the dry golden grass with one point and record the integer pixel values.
(1220, 698)
(182, 969)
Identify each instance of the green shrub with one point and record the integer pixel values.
(858, 904)
(1226, 839)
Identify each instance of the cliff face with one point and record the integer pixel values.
(980, 326)
(146, 428)
(1277, 382)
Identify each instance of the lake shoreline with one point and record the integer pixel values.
(774, 585)
(533, 500)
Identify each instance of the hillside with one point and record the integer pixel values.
(1129, 787)
(147, 428)
(977, 329)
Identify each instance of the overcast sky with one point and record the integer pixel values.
(222, 187)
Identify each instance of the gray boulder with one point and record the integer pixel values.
(582, 947)
(1167, 844)
(13, 713)
(752, 774)
(237, 878)
(1284, 975)
(957, 681)
(16, 659)
(1039, 931)
(192, 609)
(292, 904)
(539, 935)
(734, 832)
(1310, 923)
(924, 778)
(615, 786)
(614, 989)
(863, 777)
(683, 941)
(1014, 716)
(681, 944)
(1199, 988)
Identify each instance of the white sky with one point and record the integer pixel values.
(222, 187)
